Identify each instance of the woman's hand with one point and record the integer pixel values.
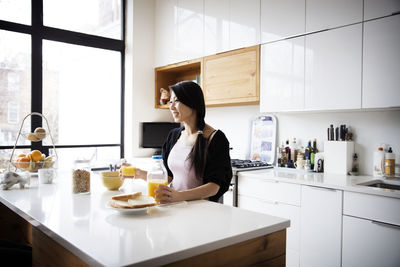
(166, 194)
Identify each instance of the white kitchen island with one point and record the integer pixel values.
(70, 229)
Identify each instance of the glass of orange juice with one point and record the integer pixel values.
(153, 184)
(128, 171)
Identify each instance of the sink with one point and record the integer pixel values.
(386, 184)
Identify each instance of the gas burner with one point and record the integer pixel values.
(248, 164)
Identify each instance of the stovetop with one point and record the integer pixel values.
(249, 164)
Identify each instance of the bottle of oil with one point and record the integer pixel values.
(390, 163)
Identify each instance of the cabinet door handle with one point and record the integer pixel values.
(323, 188)
(270, 181)
(270, 201)
(386, 224)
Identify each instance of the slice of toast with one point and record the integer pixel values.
(125, 197)
(142, 202)
(120, 204)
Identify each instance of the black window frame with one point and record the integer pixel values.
(38, 33)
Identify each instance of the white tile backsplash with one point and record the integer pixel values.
(370, 129)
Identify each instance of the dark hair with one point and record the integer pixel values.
(191, 94)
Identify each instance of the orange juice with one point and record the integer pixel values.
(128, 171)
(153, 185)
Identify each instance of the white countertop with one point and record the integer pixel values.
(334, 181)
(86, 226)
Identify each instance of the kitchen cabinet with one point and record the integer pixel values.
(277, 199)
(165, 32)
(281, 19)
(216, 26)
(369, 243)
(190, 26)
(327, 14)
(232, 78)
(169, 75)
(282, 75)
(381, 63)
(379, 8)
(371, 230)
(244, 26)
(333, 69)
(321, 226)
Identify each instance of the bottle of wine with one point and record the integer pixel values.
(308, 151)
(287, 150)
(314, 151)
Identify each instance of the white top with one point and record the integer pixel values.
(86, 226)
(334, 181)
(179, 164)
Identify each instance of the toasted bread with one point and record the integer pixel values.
(142, 202)
(137, 202)
(119, 204)
(125, 197)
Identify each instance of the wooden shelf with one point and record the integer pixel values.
(171, 74)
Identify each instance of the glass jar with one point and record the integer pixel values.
(81, 176)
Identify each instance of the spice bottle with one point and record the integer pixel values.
(390, 163)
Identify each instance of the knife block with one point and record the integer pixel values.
(338, 157)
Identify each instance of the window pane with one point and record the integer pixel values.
(15, 86)
(16, 11)
(81, 94)
(97, 17)
(100, 156)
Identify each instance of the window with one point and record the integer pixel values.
(13, 113)
(70, 70)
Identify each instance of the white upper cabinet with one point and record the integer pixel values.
(190, 20)
(282, 75)
(244, 27)
(333, 69)
(325, 14)
(216, 26)
(280, 19)
(379, 8)
(381, 63)
(166, 33)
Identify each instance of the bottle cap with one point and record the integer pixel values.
(157, 157)
(390, 150)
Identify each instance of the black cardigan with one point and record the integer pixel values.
(218, 167)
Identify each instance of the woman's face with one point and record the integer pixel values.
(180, 111)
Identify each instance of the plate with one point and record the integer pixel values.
(131, 211)
(144, 210)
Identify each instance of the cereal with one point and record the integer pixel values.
(80, 181)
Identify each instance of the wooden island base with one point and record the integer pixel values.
(268, 250)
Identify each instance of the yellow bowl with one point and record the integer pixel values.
(111, 180)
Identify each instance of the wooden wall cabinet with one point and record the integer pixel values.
(230, 78)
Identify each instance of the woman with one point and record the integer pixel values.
(195, 155)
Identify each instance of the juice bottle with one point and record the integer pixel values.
(156, 175)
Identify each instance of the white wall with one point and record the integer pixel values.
(370, 128)
(139, 68)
